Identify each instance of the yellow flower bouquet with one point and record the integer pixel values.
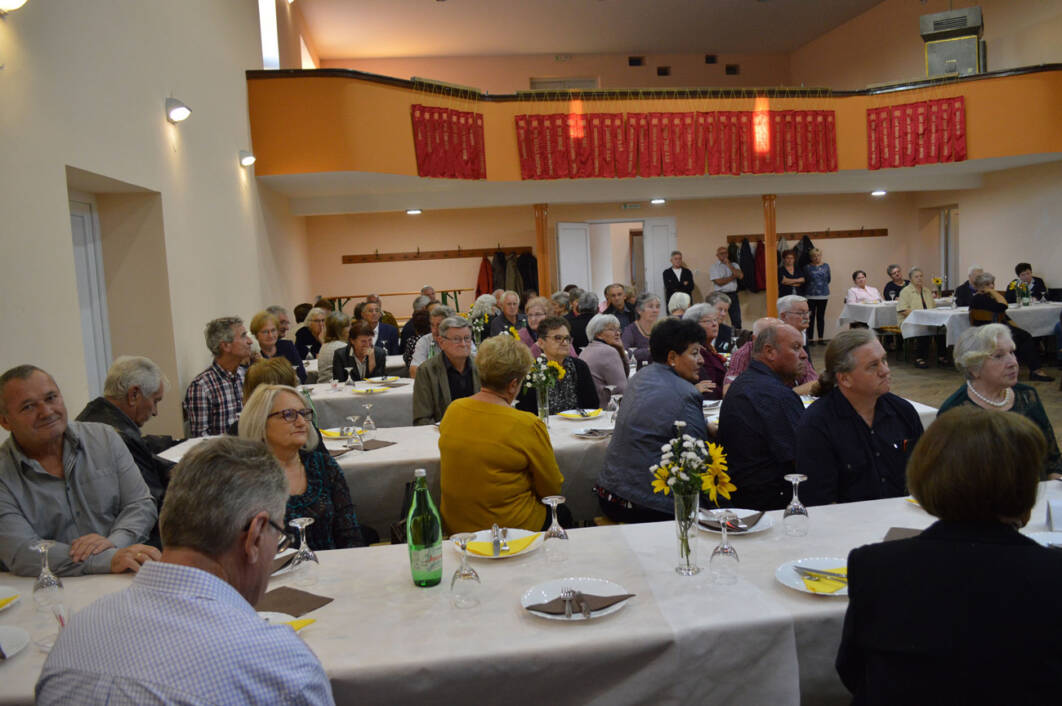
(543, 376)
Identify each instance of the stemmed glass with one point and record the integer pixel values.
(353, 438)
(613, 404)
(464, 585)
(368, 427)
(555, 538)
(304, 564)
(795, 517)
(724, 561)
(350, 375)
(631, 362)
(48, 595)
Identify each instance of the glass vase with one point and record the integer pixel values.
(686, 507)
(542, 393)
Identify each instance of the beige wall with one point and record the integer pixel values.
(84, 85)
(883, 44)
(508, 74)
(290, 26)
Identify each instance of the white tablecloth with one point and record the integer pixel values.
(377, 478)
(679, 640)
(925, 413)
(1038, 320)
(873, 315)
(395, 366)
(391, 408)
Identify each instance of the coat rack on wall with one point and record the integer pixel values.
(378, 256)
(815, 235)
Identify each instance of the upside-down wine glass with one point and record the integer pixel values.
(613, 404)
(465, 584)
(631, 362)
(353, 438)
(368, 427)
(48, 595)
(350, 375)
(304, 564)
(555, 538)
(724, 561)
(795, 517)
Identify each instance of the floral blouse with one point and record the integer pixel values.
(327, 500)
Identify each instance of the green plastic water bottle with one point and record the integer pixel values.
(424, 535)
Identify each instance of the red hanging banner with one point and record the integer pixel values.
(873, 152)
(917, 133)
(626, 148)
(801, 135)
(421, 144)
(746, 141)
(559, 148)
(831, 142)
(921, 133)
(449, 143)
(958, 128)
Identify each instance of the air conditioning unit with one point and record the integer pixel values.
(953, 42)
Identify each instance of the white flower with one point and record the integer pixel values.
(671, 480)
(665, 447)
(683, 476)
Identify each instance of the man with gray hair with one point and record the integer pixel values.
(131, 396)
(584, 308)
(283, 320)
(420, 302)
(616, 295)
(758, 419)
(793, 310)
(447, 377)
(965, 291)
(725, 337)
(71, 482)
(186, 630)
(215, 397)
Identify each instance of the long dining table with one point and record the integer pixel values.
(392, 403)
(678, 640)
(1038, 319)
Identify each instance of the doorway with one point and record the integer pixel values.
(593, 254)
(91, 291)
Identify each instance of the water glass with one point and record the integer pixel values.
(465, 583)
(724, 561)
(48, 597)
(304, 565)
(555, 538)
(368, 427)
(795, 517)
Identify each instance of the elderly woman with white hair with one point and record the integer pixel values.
(917, 296)
(985, 355)
(310, 338)
(278, 415)
(636, 334)
(605, 357)
(677, 304)
(713, 365)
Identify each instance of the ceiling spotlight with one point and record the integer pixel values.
(879, 193)
(413, 212)
(176, 111)
(658, 202)
(246, 158)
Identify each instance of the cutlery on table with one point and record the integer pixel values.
(495, 540)
(567, 595)
(584, 605)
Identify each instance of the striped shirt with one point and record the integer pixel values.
(179, 635)
(214, 400)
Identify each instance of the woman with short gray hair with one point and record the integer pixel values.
(985, 355)
(309, 338)
(278, 416)
(678, 303)
(605, 357)
(636, 334)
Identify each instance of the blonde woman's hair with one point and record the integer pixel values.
(500, 360)
(271, 371)
(256, 411)
(543, 302)
(260, 320)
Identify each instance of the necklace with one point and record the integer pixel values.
(1002, 403)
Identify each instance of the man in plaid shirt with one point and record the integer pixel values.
(215, 397)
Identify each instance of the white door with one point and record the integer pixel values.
(91, 294)
(658, 241)
(573, 254)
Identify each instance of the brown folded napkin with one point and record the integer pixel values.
(336, 453)
(749, 523)
(900, 533)
(391, 384)
(291, 601)
(377, 444)
(556, 606)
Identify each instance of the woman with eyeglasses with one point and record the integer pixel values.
(576, 389)
(277, 415)
(636, 334)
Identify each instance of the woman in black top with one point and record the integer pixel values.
(576, 389)
(790, 281)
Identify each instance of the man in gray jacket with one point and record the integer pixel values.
(447, 377)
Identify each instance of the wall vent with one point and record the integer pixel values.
(663, 70)
(635, 61)
(732, 69)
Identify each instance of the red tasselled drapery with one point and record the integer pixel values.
(907, 135)
(449, 143)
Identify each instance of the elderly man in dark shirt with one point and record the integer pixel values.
(617, 305)
(131, 395)
(447, 377)
(965, 291)
(758, 419)
(853, 443)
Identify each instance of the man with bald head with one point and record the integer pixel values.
(71, 482)
(758, 419)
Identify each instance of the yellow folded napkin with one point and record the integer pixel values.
(328, 433)
(590, 414)
(515, 546)
(825, 585)
(297, 625)
(913, 502)
(9, 599)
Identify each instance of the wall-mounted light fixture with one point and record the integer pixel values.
(413, 212)
(246, 158)
(176, 111)
(658, 202)
(7, 6)
(878, 193)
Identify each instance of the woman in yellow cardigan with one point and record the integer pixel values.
(496, 462)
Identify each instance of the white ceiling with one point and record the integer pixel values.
(342, 29)
(360, 192)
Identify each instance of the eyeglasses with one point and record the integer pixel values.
(285, 540)
(289, 415)
(463, 339)
(801, 314)
(560, 339)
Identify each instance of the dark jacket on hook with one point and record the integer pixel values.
(498, 270)
(748, 267)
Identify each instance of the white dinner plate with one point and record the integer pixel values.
(573, 414)
(514, 533)
(7, 592)
(547, 591)
(383, 378)
(787, 577)
(1044, 538)
(711, 404)
(13, 639)
(369, 390)
(275, 618)
(766, 522)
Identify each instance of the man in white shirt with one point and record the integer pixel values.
(725, 275)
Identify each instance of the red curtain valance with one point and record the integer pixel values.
(607, 145)
(916, 133)
(448, 143)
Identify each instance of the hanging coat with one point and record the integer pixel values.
(528, 267)
(804, 258)
(485, 281)
(761, 267)
(748, 266)
(513, 280)
(733, 253)
(498, 271)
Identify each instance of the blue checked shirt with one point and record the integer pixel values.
(179, 635)
(214, 400)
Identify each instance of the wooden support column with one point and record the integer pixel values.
(770, 259)
(543, 249)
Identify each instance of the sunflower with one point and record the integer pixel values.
(660, 476)
(558, 367)
(514, 333)
(718, 458)
(716, 484)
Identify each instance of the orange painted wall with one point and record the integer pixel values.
(324, 124)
